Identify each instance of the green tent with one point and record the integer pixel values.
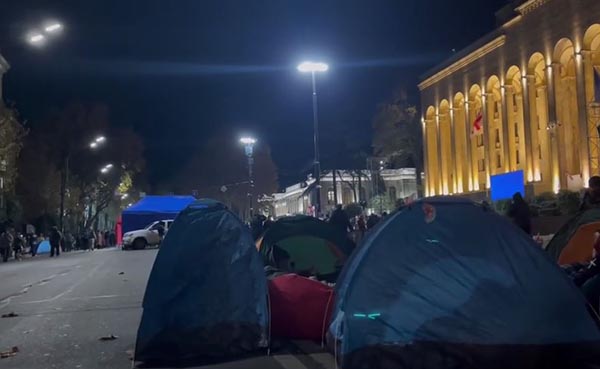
(311, 245)
(563, 236)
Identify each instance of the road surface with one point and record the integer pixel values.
(66, 304)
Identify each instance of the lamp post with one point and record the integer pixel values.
(313, 68)
(64, 178)
(248, 143)
(39, 37)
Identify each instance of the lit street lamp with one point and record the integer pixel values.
(64, 178)
(248, 143)
(53, 28)
(313, 68)
(105, 169)
(39, 38)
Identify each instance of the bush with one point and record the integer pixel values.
(568, 201)
(353, 210)
(546, 196)
(502, 206)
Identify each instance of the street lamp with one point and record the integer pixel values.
(313, 68)
(38, 37)
(53, 27)
(248, 143)
(64, 180)
(106, 168)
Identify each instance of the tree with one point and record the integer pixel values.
(397, 133)
(62, 141)
(12, 134)
(219, 170)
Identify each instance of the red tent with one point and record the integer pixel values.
(300, 307)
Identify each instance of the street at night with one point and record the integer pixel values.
(300, 184)
(65, 306)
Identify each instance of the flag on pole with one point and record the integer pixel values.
(477, 124)
(597, 85)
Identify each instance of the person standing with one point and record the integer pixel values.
(591, 198)
(361, 225)
(520, 214)
(339, 218)
(6, 241)
(55, 241)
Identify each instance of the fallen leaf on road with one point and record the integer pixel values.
(108, 338)
(10, 315)
(6, 354)
(121, 273)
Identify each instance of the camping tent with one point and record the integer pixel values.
(152, 208)
(310, 243)
(300, 307)
(575, 240)
(207, 292)
(448, 283)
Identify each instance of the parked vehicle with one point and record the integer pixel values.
(151, 235)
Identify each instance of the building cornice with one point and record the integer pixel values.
(529, 6)
(463, 62)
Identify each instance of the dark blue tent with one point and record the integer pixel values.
(152, 208)
(206, 295)
(446, 283)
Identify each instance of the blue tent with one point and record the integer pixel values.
(152, 208)
(206, 295)
(43, 247)
(446, 283)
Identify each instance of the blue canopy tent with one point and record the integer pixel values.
(152, 208)
(206, 297)
(446, 283)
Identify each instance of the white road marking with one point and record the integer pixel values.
(289, 362)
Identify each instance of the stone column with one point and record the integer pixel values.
(487, 148)
(469, 166)
(504, 121)
(440, 179)
(552, 73)
(584, 132)
(425, 157)
(454, 170)
(530, 140)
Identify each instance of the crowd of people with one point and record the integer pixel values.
(16, 244)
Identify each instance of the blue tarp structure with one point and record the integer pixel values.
(207, 293)
(152, 208)
(43, 247)
(447, 283)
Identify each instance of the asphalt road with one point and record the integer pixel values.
(66, 304)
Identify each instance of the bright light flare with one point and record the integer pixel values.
(312, 67)
(93, 145)
(104, 170)
(36, 38)
(54, 27)
(248, 140)
(100, 139)
(108, 166)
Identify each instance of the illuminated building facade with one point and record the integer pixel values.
(533, 85)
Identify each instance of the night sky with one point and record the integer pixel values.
(177, 70)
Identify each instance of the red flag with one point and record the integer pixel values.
(478, 124)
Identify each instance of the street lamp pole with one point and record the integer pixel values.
(317, 168)
(249, 151)
(64, 179)
(313, 68)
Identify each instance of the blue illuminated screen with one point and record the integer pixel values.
(504, 186)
